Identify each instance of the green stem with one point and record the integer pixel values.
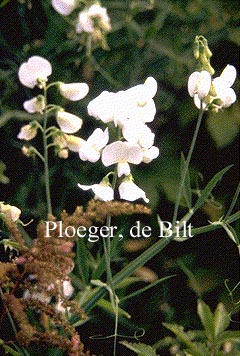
(45, 155)
(184, 173)
(107, 254)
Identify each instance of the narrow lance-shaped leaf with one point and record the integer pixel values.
(207, 320)
(209, 187)
(139, 348)
(221, 319)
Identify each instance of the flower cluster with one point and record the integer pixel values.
(35, 72)
(129, 111)
(208, 93)
(93, 20)
(214, 94)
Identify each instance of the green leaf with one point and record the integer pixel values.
(221, 319)
(139, 348)
(187, 192)
(3, 3)
(184, 337)
(207, 319)
(144, 289)
(107, 306)
(224, 126)
(232, 336)
(209, 187)
(82, 260)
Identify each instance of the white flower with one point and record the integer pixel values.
(199, 83)
(94, 17)
(90, 150)
(27, 132)
(150, 154)
(36, 104)
(68, 123)
(122, 153)
(74, 143)
(34, 71)
(35, 295)
(135, 103)
(135, 132)
(222, 86)
(74, 91)
(103, 190)
(64, 7)
(102, 107)
(221, 95)
(10, 211)
(128, 190)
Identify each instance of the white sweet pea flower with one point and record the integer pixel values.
(90, 150)
(150, 154)
(68, 123)
(27, 132)
(128, 190)
(135, 103)
(36, 104)
(221, 94)
(199, 83)
(102, 107)
(10, 211)
(103, 190)
(135, 132)
(34, 72)
(64, 7)
(222, 86)
(122, 153)
(92, 18)
(74, 91)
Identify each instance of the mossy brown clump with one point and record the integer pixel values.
(32, 284)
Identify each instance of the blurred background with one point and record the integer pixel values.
(148, 38)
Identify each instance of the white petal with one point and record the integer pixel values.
(146, 137)
(35, 104)
(68, 123)
(64, 7)
(99, 138)
(35, 68)
(151, 86)
(148, 111)
(192, 82)
(197, 102)
(229, 75)
(150, 154)
(119, 151)
(102, 191)
(229, 98)
(74, 91)
(88, 153)
(123, 169)
(85, 187)
(102, 107)
(204, 84)
(27, 132)
(130, 191)
(84, 23)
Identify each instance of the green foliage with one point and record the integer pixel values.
(139, 348)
